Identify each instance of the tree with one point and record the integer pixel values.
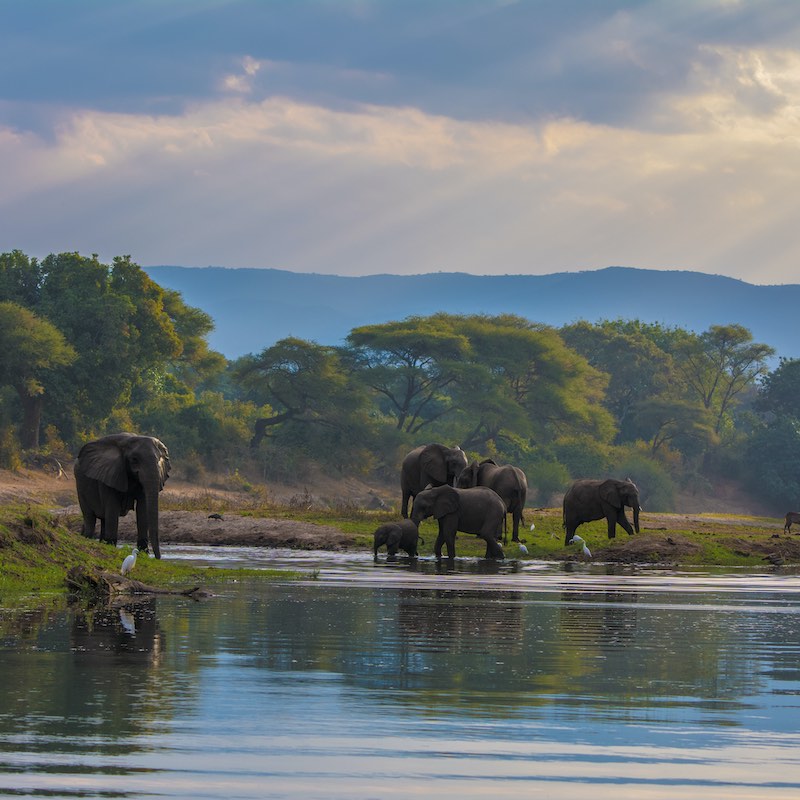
(780, 389)
(32, 348)
(720, 364)
(410, 364)
(524, 382)
(637, 367)
(315, 403)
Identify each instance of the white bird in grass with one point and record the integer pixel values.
(129, 563)
(578, 540)
(523, 549)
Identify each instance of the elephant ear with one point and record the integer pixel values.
(163, 462)
(432, 463)
(446, 502)
(609, 491)
(103, 461)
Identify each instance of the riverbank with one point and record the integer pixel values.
(40, 532)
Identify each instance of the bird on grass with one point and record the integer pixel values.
(129, 563)
(523, 549)
(215, 516)
(578, 540)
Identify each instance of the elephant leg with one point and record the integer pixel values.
(569, 532)
(611, 518)
(404, 504)
(141, 526)
(623, 521)
(493, 549)
(109, 527)
(89, 524)
(517, 517)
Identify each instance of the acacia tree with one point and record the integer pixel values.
(314, 403)
(32, 348)
(524, 383)
(411, 364)
(720, 364)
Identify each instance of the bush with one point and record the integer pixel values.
(656, 487)
(545, 479)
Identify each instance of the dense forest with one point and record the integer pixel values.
(92, 348)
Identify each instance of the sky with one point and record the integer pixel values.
(358, 137)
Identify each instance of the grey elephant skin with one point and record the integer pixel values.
(587, 500)
(479, 511)
(792, 518)
(403, 535)
(508, 481)
(116, 474)
(429, 465)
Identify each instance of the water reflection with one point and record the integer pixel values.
(410, 678)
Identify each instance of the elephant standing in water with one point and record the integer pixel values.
(479, 511)
(588, 500)
(429, 465)
(508, 481)
(116, 474)
(403, 535)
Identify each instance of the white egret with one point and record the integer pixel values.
(523, 549)
(578, 540)
(533, 525)
(129, 563)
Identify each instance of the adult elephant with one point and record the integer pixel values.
(588, 500)
(479, 511)
(116, 474)
(429, 465)
(508, 481)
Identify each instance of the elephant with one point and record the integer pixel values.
(115, 474)
(402, 535)
(587, 500)
(508, 481)
(429, 465)
(792, 517)
(479, 510)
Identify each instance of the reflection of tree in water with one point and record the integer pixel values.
(91, 675)
(599, 619)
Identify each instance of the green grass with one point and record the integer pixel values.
(37, 551)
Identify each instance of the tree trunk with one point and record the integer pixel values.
(31, 419)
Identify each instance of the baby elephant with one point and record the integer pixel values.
(792, 517)
(396, 536)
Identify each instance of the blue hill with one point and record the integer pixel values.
(254, 308)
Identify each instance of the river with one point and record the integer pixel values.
(407, 679)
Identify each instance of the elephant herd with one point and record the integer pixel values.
(122, 472)
(476, 497)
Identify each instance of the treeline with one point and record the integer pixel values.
(91, 348)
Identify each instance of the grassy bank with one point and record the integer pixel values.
(37, 550)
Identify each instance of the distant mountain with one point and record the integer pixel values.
(254, 308)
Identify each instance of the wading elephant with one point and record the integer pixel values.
(479, 511)
(792, 517)
(588, 500)
(429, 465)
(508, 481)
(403, 535)
(116, 474)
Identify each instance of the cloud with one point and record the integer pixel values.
(283, 183)
(242, 82)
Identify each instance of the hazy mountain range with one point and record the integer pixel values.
(254, 308)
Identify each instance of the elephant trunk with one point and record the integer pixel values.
(151, 494)
(636, 518)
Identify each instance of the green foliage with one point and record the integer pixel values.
(656, 487)
(93, 348)
(545, 478)
(772, 464)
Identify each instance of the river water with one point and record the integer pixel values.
(404, 679)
